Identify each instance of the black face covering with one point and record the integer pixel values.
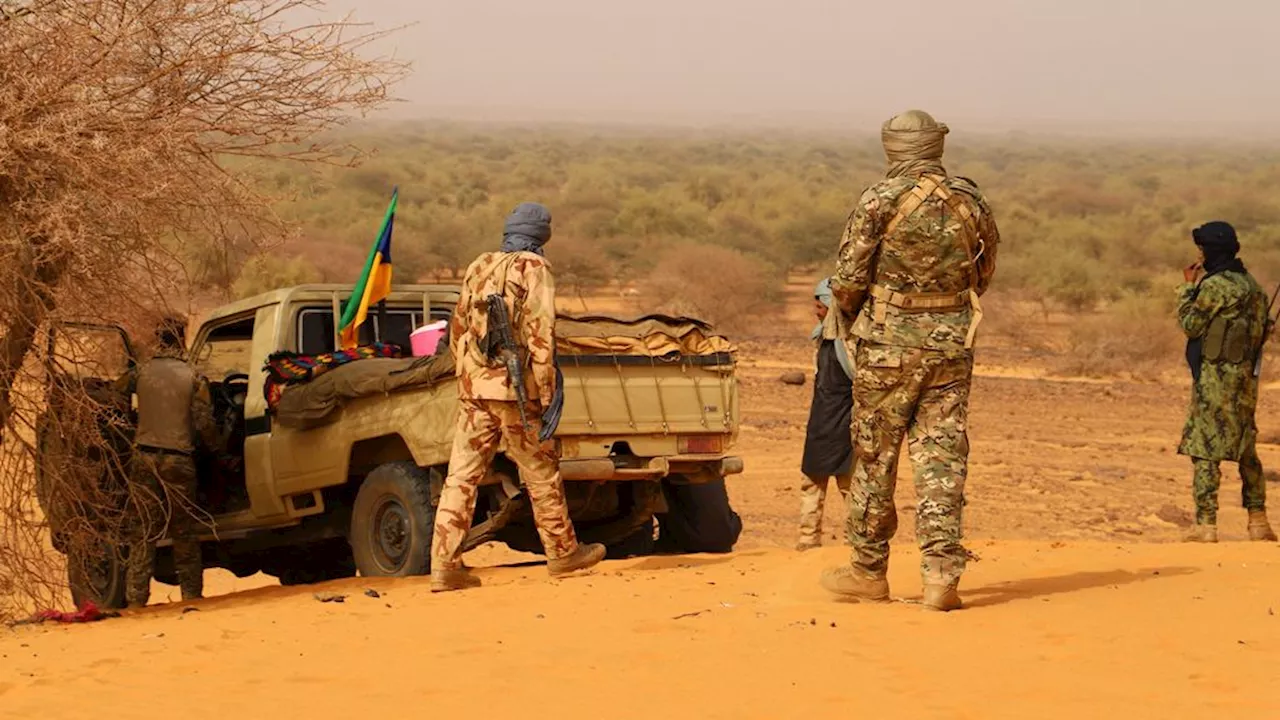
(1218, 242)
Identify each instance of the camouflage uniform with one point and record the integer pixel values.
(174, 410)
(489, 418)
(1224, 310)
(918, 250)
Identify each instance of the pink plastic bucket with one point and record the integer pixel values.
(425, 339)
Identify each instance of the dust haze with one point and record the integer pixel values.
(1123, 66)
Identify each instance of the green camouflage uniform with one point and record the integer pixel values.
(1220, 423)
(175, 414)
(910, 280)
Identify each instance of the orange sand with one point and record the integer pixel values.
(1053, 630)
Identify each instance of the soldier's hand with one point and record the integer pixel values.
(1191, 273)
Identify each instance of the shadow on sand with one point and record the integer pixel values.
(1040, 587)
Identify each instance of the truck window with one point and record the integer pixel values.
(315, 328)
(227, 349)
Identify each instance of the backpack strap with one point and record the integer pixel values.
(970, 237)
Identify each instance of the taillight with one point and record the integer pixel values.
(700, 444)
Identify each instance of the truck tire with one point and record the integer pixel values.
(699, 518)
(392, 522)
(100, 580)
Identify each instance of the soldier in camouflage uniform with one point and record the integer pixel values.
(918, 251)
(174, 413)
(488, 416)
(1223, 312)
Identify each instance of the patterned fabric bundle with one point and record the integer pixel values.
(287, 368)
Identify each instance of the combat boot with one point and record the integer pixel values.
(1202, 534)
(808, 544)
(1259, 529)
(446, 579)
(585, 557)
(851, 585)
(942, 598)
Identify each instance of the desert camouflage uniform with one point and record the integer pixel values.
(913, 364)
(1220, 423)
(489, 418)
(174, 411)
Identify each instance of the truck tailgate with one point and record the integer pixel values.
(624, 394)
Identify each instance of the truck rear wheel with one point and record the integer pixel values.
(392, 522)
(699, 518)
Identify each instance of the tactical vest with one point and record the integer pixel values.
(970, 237)
(1231, 338)
(166, 387)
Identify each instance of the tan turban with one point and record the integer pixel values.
(913, 136)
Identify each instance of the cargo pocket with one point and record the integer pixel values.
(879, 368)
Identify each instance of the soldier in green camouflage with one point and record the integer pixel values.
(918, 251)
(1223, 312)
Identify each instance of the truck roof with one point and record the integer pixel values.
(325, 291)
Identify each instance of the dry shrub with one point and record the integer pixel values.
(129, 130)
(580, 266)
(725, 287)
(1016, 319)
(1135, 337)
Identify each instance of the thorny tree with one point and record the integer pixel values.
(128, 129)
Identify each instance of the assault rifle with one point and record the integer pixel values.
(501, 342)
(1266, 332)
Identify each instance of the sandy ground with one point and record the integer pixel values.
(1054, 630)
(1083, 605)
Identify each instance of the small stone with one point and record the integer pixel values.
(186, 610)
(792, 378)
(372, 593)
(1175, 515)
(330, 597)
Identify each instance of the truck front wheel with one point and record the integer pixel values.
(392, 522)
(98, 578)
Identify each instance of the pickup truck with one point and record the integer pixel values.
(341, 474)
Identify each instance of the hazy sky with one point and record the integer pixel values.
(1167, 65)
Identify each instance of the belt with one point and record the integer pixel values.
(920, 301)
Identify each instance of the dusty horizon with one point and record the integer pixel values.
(1093, 67)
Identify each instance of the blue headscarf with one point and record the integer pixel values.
(528, 228)
(823, 293)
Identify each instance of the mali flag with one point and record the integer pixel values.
(375, 282)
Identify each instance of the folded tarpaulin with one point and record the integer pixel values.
(648, 335)
(311, 404)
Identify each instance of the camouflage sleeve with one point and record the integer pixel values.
(990, 244)
(537, 326)
(859, 247)
(202, 415)
(460, 321)
(1197, 304)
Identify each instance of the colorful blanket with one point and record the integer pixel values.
(288, 368)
